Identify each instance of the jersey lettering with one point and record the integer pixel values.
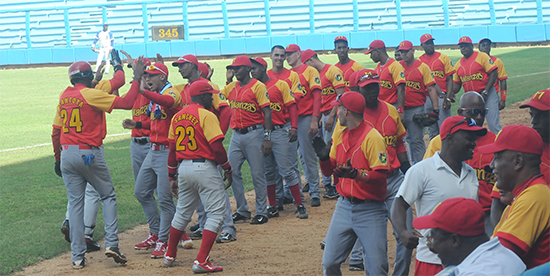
(163, 116)
(275, 106)
(386, 84)
(189, 133)
(414, 85)
(250, 107)
(328, 91)
(476, 76)
(438, 74)
(391, 140)
(141, 111)
(483, 175)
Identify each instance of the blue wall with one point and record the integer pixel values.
(60, 31)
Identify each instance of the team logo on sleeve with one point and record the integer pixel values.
(338, 77)
(267, 95)
(221, 96)
(451, 62)
(383, 157)
(491, 61)
(317, 80)
(402, 74)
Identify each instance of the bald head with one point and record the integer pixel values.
(471, 98)
(472, 106)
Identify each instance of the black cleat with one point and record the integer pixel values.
(315, 202)
(194, 227)
(114, 252)
(302, 214)
(272, 211)
(66, 230)
(305, 189)
(92, 246)
(259, 219)
(239, 217)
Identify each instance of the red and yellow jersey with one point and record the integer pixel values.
(194, 129)
(331, 79)
(526, 222)
(139, 114)
(472, 72)
(81, 115)
(501, 72)
(418, 77)
(280, 98)
(366, 149)
(160, 121)
(391, 75)
(309, 80)
(441, 67)
(290, 77)
(348, 69)
(478, 162)
(246, 103)
(186, 98)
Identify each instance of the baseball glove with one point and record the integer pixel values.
(426, 119)
(321, 148)
(115, 60)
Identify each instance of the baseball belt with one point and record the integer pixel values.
(247, 129)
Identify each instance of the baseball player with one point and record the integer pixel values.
(358, 158)
(424, 187)
(472, 106)
(347, 65)
(188, 66)
(278, 71)
(392, 76)
(78, 131)
(397, 54)
(165, 101)
(251, 124)
(419, 85)
(196, 145)
(106, 43)
(332, 84)
(91, 204)
(309, 108)
(442, 71)
(384, 118)
(283, 139)
(484, 46)
(476, 71)
(525, 225)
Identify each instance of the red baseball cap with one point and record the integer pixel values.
(363, 77)
(465, 39)
(157, 69)
(484, 39)
(376, 44)
(405, 45)
(340, 38)
(292, 48)
(540, 101)
(515, 138)
(456, 123)
(204, 69)
(146, 62)
(240, 61)
(201, 87)
(426, 37)
(462, 216)
(259, 60)
(186, 58)
(307, 54)
(352, 101)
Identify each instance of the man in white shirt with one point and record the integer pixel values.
(106, 43)
(458, 237)
(433, 180)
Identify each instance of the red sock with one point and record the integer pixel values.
(271, 195)
(173, 240)
(208, 238)
(295, 190)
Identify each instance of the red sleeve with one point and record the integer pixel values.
(512, 246)
(219, 152)
(146, 124)
(316, 101)
(118, 80)
(172, 161)
(127, 101)
(372, 177)
(293, 114)
(326, 167)
(400, 145)
(164, 100)
(56, 136)
(225, 118)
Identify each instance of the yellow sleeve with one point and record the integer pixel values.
(210, 125)
(356, 66)
(433, 146)
(288, 98)
(501, 71)
(426, 75)
(374, 147)
(295, 80)
(336, 140)
(486, 62)
(98, 99)
(336, 77)
(171, 136)
(217, 100)
(57, 119)
(176, 95)
(104, 85)
(449, 69)
(392, 111)
(398, 73)
(313, 78)
(179, 87)
(527, 218)
(456, 78)
(226, 90)
(260, 90)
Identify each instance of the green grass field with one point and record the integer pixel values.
(33, 199)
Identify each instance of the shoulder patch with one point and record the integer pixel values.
(491, 61)
(338, 77)
(221, 96)
(267, 95)
(451, 62)
(317, 80)
(402, 74)
(383, 157)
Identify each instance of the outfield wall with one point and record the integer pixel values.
(61, 31)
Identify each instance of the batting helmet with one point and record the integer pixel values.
(80, 70)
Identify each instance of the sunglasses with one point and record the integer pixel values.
(468, 121)
(474, 112)
(367, 77)
(152, 67)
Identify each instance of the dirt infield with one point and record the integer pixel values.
(284, 246)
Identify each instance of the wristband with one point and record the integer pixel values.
(400, 109)
(294, 128)
(267, 135)
(503, 94)
(138, 125)
(436, 111)
(173, 176)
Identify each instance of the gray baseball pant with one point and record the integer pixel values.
(433, 130)
(415, 134)
(493, 115)
(281, 159)
(307, 153)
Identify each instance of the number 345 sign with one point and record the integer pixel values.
(168, 32)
